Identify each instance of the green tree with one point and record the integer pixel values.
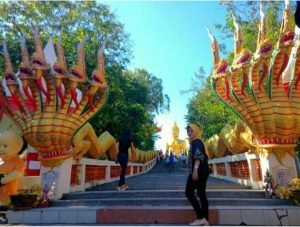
(205, 109)
(248, 16)
(133, 102)
(75, 19)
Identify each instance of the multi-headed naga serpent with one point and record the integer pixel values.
(271, 114)
(43, 106)
(48, 121)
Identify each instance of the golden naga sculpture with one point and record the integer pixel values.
(49, 123)
(271, 114)
(176, 145)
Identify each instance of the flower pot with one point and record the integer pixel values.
(296, 196)
(23, 201)
(3, 208)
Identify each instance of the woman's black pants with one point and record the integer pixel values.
(123, 160)
(200, 186)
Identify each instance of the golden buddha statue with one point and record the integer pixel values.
(177, 146)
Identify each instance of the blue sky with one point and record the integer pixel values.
(170, 41)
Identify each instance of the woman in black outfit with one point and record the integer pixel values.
(198, 174)
(125, 143)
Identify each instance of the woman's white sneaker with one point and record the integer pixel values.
(199, 222)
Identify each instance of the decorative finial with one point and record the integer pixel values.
(237, 36)
(261, 10)
(101, 59)
(60, 65)
(212, 38)
(38, 58)
(98, 75)
(287, 4)
(262, 25)
(8, 66)
(214, 47)
(25, 57)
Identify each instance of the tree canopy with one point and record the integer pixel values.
(75, 19)
(135, 97)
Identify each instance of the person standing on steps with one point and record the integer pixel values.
(183, 159)
(125, 143)
(198, 174)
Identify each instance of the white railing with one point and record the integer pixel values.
(103, 171)
(233, 168)
(87, 173)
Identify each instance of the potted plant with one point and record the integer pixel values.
(295, 190)
(26, 198)
(268, 185)
(23, 200)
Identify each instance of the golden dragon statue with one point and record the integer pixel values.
(270, 114)
(45, 115)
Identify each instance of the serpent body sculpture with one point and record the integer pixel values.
(272, 116)
(230, 140)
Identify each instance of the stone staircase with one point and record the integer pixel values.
(166, 198)
(158, 198)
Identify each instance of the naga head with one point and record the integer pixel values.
(264, 49)
(264, 45)
(60, 67)
(77, 72)
(98, 75)
(9, 74)
(287, 33)
(220, 65)
(242, 56)
(38, 59)
(60, 70)
(25, 66)
(287, 38)
(242, 59)
(221, 70)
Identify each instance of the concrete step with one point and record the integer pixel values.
(147, 182)
(211, 193)
(113, 187)
(218, 215)
(159, 201)
(156, 215)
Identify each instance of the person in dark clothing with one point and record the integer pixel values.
(125, 143)
(198, 174)
(297, 14)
